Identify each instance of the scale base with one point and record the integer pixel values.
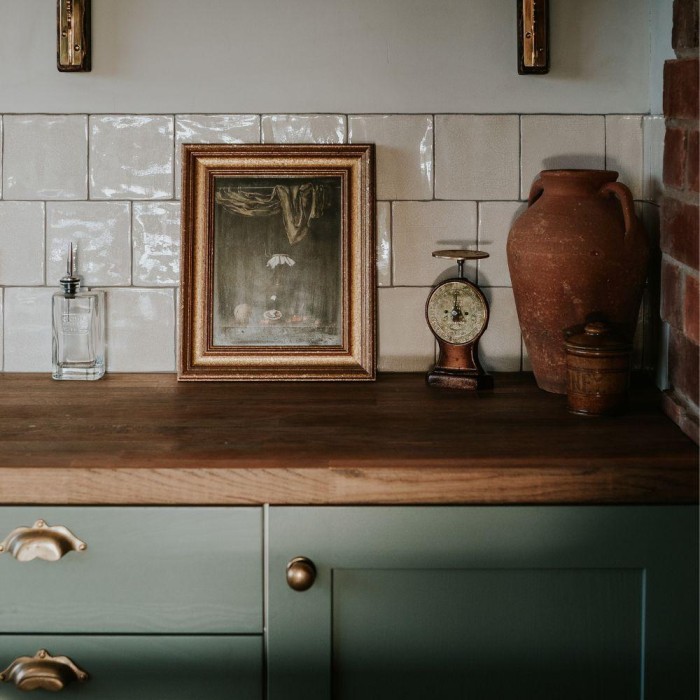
(459, 379)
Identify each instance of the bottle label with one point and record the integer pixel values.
(76, 324)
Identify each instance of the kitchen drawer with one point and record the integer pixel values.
(127, 667)
(145, 570)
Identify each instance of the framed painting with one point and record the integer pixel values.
(277, 263)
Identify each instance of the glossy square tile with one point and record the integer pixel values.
(131, 157)
(404, 153)
(624, 150)
(405, 342)
(477, 156)
(495, 220)
(1, 147)
(648, 213)
(45, 156)
(499, 347)
(27, 329)
(661, 376)
(637, 356)
(419, 228)
(21, 243)
(651, 342)
(303, 128)
(140, 330)
(156, 244)
(212, 128)
(554, 141)
(102, 233)
(2, 323)
(654, 128)
(651, 328)
(526, 364)
(384, 244)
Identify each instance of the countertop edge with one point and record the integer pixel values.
(343, 486)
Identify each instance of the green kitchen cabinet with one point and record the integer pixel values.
(143, 571)
(143, 667)
(159, 603)
(485, 603)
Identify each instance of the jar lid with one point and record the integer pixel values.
(596, 335)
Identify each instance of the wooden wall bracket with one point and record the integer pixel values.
(533, 36)
(74, 36)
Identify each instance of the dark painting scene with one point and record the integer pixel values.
(277, 262)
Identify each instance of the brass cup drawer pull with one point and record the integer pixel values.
(41, 542)
(301, 574)
(42, 672)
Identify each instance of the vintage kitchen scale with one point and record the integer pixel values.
(457, 313)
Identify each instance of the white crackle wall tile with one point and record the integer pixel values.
(500, 346)
(101, 232)
(404, 153)
(303, 128)
(654, 350)
(405, 341)
(2, 324)
(21, 243)
(654, 127)
(27, 329)
(131, 157)
(495, 220)
(559, 141)
(624, 150)
(477, 156)
(212, 128)
(526, 364)
(156, 244)
(384, 244)
(45, 156)
(140, 330)
(419, 228)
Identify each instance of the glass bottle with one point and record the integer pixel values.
(78, 329)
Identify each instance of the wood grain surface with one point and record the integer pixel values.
(147, 439)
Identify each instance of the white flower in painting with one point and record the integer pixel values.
(276, 260)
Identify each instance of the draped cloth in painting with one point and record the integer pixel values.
(299, 205)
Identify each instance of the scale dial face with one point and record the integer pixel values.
(457, 312)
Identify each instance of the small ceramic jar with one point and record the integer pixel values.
(597, 368)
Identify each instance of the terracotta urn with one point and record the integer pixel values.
(577, 253)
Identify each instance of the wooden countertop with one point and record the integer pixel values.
(147, 439)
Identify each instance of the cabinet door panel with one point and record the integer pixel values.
(145, 570)
(154, 668)
(485, 602)
(487, 633)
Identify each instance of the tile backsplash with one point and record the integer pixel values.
(112, 184)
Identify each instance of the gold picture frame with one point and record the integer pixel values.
(278, 275)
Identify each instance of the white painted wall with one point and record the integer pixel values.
(660, 30)
(422, 69)
(377, 56)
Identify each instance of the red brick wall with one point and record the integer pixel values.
(679, 219)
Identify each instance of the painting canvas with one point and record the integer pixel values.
(278, 278)
(277, 261)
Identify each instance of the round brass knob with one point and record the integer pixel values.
(301, 574)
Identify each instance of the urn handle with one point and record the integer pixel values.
(624, 196)
(536, 191)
